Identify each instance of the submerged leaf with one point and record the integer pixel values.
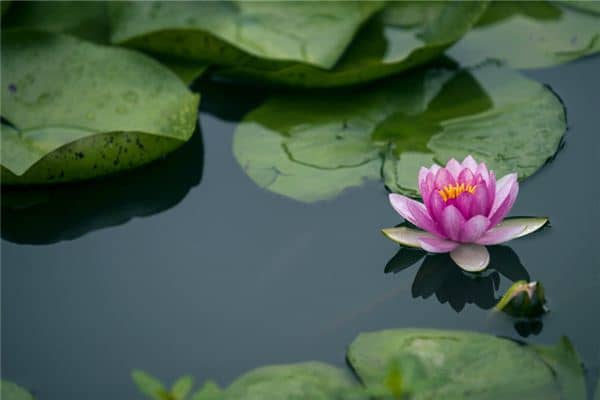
(456, 365)
(531, 34)
(92, 110)
(405, 35)
(182, 387)
(312, 146)
(308, 380)
(149, 385)
(241, 32)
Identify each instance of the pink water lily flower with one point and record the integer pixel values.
(463, 211)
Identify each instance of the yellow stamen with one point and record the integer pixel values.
(453, 191)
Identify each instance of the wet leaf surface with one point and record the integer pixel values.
(93, 110)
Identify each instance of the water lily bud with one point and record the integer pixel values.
(523, 299)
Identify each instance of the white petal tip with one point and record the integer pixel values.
(471, 257)
(405, 236)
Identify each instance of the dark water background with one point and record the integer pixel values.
(222, 276)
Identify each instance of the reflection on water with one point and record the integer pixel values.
(440, 276)
(66, 212)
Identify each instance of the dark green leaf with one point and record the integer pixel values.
(234, 32)
(90, 111)
(531, 34)
(87, 20)
(407, 34)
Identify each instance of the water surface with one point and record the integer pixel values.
(188, 267)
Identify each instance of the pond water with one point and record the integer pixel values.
(187, 266)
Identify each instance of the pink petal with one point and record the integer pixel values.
(484, 172)
(506, 205)
(512, 228)
(463, 203)
(480, 203)
(471, 257)
(503, 188)
(500, 234)
(434, 168)
(452, 222)
(491, 186)
(423, 172)
(437, 245)
(443, 178)
(413, 211)
(435, 205)
(470, 163)
(454, 167)
(474, 228)
(466, 177)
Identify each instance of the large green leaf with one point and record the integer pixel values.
(566, 364)
(406, 34)
(313, 146)
(308, 380)
(87, 20)
(234, 32)
(528, 34)
(12, 391)
(77, 110)
(454, 365)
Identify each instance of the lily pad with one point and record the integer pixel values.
(12, 391)
(90, 111)
(526, 34)
(405, 35)
(457, 365)
(312, 146)
(87, 20)
(308, 380)
(567, 366)
(240, 32)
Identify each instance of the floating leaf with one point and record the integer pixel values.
(86, 20)
(312, 146)
(92, 110)
(566, 364)
(527, 34)
(405, 35)
(240, 32)
(456, 365)
(308, 380)
(12, 391)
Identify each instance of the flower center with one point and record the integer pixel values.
(453, 191)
